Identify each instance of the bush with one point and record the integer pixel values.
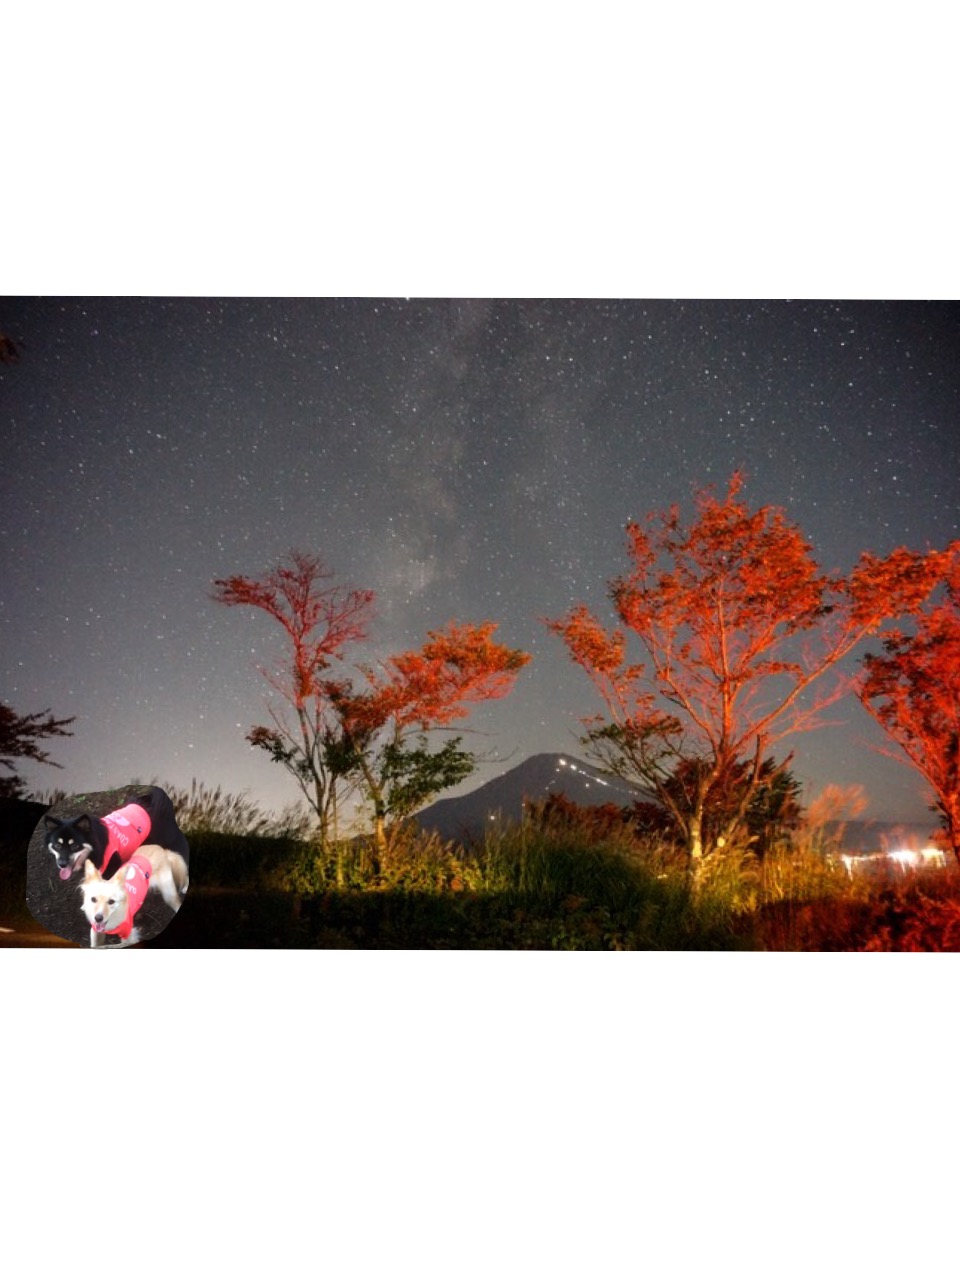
(228, 861)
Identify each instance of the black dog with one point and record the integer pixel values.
(111, 841)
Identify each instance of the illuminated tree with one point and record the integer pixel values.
(320, 620)
(772, 811)
(359, 725)
(19, 736)
(384, 724)
(912, 690)
(735, 622)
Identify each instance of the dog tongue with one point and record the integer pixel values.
(65, 873)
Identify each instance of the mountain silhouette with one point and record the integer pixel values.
(501, 800)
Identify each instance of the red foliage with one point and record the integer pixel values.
(736, 622)
(431, 686)
(912, 690)
(293, 596)
(352, 722)
(557, 813)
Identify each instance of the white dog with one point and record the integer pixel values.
(111, 905)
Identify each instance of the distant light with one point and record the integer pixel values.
(906, 857)
(911, 857)
(930, 855)
(563, 763)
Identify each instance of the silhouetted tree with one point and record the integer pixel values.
(773, 813)
(19, 736)
(9, 350)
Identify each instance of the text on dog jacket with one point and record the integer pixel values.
(127, 829)
(135, 877)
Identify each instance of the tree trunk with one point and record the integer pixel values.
(380, 834)
(375, 792)
(695, 840)
(953, 831)
(948, 806)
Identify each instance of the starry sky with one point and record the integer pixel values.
(464, 459)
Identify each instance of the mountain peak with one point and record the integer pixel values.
(501, 800)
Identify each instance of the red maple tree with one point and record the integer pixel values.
(735, 622)
(912, 690)
(364, 725)
(320, 620)
(410, 694)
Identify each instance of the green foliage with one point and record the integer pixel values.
(412, 776)
(353, 722)
(522, 889)
(567, 879)
(230, 861)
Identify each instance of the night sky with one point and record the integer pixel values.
(470, 459)
(464, 459)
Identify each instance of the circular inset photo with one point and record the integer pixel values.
(108, 868)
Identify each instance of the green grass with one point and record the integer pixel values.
(257, 881)
(523, 889)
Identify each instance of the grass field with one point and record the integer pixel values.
(545, 890)
(531, 887)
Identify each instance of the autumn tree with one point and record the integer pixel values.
(385, 720)
(912, 690)
(735, 623)
(321, 620)
(361, 724)
(19, 739)
(772, 812)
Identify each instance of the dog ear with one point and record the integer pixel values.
(84, 820)
(52, 823)
(90, 871)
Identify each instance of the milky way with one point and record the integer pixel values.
(469, 459)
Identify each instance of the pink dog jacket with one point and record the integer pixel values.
(127, 829)
(136, 880)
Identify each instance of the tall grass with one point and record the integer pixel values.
(546, 885)
(203, 808)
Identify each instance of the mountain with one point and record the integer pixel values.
(501, 800)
